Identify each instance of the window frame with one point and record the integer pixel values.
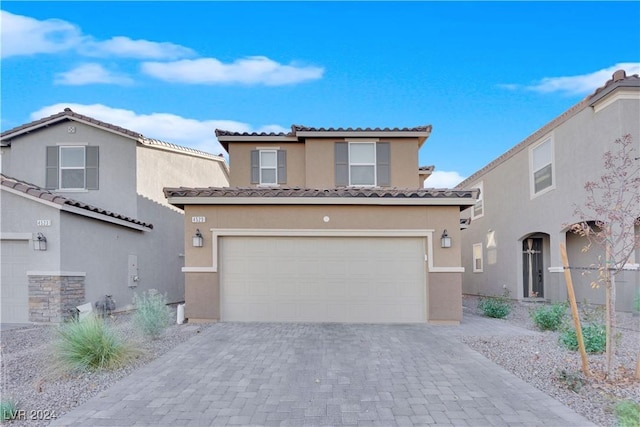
(262, 167)
(480, 258)
(532, 171)
(374, 164)
(62, 168)
(480, 201)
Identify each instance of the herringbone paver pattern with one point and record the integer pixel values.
(236, 374)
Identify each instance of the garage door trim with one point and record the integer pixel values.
(221, 232)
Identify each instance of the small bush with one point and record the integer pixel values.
(496, 307)
(594, 336)
(627, 413)
(91, 344)
(8, 409)
(572, 380)
(636, 303)
(550, 317)
(152, 315)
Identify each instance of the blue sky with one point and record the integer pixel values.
(485, 75)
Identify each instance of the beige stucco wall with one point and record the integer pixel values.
(202, 289)
(312, 164)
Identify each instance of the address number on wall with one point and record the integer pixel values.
(43, 222)
(198, 219)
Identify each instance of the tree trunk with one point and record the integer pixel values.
(610, 325)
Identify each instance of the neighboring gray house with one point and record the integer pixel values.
(528, 197)
(94, 192)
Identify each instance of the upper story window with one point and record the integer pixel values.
(478, 208)
(268, 166)
(362, 164)
(73, 167)
(541, 159)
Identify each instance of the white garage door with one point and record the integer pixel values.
(322, 279)
(14, 289)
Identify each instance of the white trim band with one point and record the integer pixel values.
(57, 273)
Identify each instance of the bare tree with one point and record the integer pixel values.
(614, 203)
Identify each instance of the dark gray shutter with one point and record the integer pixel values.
(255, 167)
(342, 164)
(282, 167)
(51, 179)
(383, 169)
(92, 161)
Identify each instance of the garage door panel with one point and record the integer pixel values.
(322, 279)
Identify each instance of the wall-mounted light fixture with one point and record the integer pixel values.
(445, 240)
(197, 239)
(40, 242)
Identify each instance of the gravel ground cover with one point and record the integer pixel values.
(539, 360)
(26, 377)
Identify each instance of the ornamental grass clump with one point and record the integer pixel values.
(92, 344)
(8, 409)
(550, 317)
(627, 413)
(152, 315)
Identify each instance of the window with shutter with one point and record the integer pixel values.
(72, 168)
(362, 164)
(268, 167)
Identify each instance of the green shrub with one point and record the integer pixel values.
(91, 344)
(594, 336)
(152, 315)
(636, 303)
(550, 317)
(628, 413)
(8, 409)
(496, 307)
(572, 380)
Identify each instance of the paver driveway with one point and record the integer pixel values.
(325, 374)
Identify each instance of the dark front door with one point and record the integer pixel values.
(532, 271)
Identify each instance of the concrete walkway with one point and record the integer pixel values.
(326, 375)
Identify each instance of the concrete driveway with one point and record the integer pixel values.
(326, 375)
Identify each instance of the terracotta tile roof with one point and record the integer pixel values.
(343, 192)
(619, 79)
(49, 196)
(68, 114)
(299, 128)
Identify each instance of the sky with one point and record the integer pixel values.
(485, 75)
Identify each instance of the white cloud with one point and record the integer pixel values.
(250, 70)
(124, 47)
(22, 35)
(576, 85)
(198, 134)
(443, 179)
(90, 74)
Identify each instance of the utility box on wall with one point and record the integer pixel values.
(132, 276)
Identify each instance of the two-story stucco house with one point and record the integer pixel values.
(84, 215)
(528, 198)
(323, 225)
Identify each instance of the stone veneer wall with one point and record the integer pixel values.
(52, 298)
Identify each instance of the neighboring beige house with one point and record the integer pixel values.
(94, 192)
(528, 198)
(323, 225)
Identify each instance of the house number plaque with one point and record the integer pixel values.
(195, 219)
(43, 222)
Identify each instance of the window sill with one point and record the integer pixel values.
(71, 190)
